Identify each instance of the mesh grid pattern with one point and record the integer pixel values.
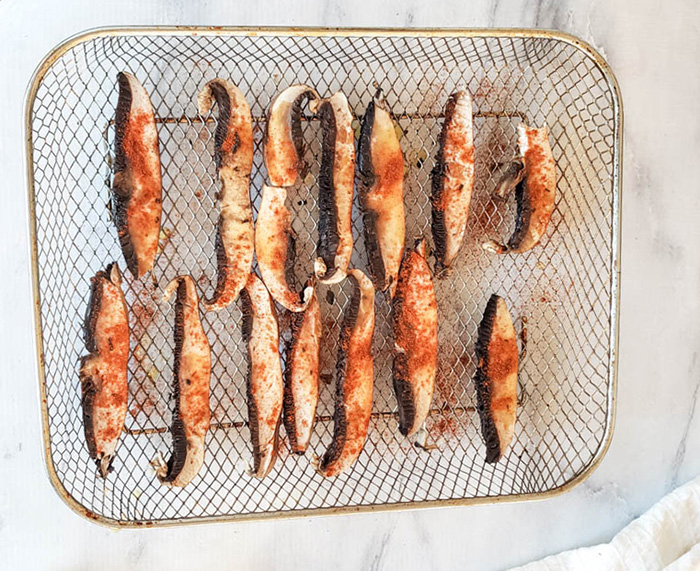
(560, 292)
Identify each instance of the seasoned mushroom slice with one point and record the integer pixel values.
(301, 376)
(265, 383)
(233, 153)
(136, 187)
(275, 246)
(192, 371)
(496, 377)
(354, 383)
(103, 372)
(380, 188)
(415, 340)
(336, 180)
(284, 143)
(533, 176)
(453, 179)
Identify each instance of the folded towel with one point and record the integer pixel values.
(666, 537)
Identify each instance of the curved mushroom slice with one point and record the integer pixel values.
(136, 187)
(103, 373)
(265, 384)
(192, 372)
(233, 152)
(284, 143)
(453, 179)
(533, 176)
(335, 191)
(496, 378)
(276, 249)
(301, 376)
(354, 380)
(415, 339)
(380, 186)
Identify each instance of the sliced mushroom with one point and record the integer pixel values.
(415, 340)
(354, 380)
(284, 143)
(533, 176)
(301, 376)
(496, 378)
(276, 250)
(233, 153)
(192, 372)
(265, 383)
(380, 187)
(336, 180)
(103, 372)
(136, 186)
(453, 179)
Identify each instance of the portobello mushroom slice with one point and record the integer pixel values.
(136, 186)
(354, 380)
(192, 372)
(415, 340)
(284, 144)
(533, 176)
(496, 378)
(380, 188)
(452, 180)
(275, 246)
(103, 372)
(335, 193)
(264, 381)
(301, 376)
(233, 153)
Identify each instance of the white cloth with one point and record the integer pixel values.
(666, 537)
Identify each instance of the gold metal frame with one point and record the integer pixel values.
(583, 46)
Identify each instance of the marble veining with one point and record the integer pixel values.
(375, 556)
(681, 450)
(654, 51)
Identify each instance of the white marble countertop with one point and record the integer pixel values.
(654, 50)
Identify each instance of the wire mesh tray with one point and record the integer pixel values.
(565, 292)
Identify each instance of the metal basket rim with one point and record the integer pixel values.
(106, 31)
